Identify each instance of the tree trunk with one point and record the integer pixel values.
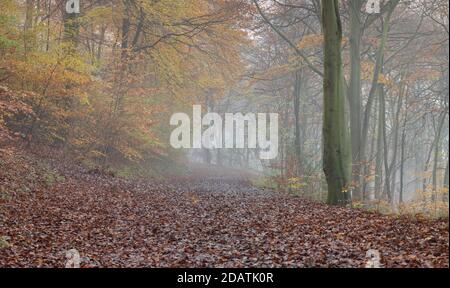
(436, 155)
(402, 161)
(392, 169)
(71, 29)
(379, 155)
(336, 154)
(28, 25)
(298, 145)
(355, 93)
(374, 86)
(445, 196)
(387, 181)
(446, 176)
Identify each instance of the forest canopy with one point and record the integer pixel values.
(102, 84)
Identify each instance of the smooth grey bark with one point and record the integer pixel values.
(298, 142)
(354, 94)
(382, 122)
(336, 143)
(402, 158)
(379, 153)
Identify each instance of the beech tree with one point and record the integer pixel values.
(336, 145)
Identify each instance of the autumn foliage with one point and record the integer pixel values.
(102, 85)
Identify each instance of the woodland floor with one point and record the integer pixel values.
(207, 221)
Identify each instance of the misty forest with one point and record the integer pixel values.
(359, 170)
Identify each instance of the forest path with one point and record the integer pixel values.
(204, 222)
